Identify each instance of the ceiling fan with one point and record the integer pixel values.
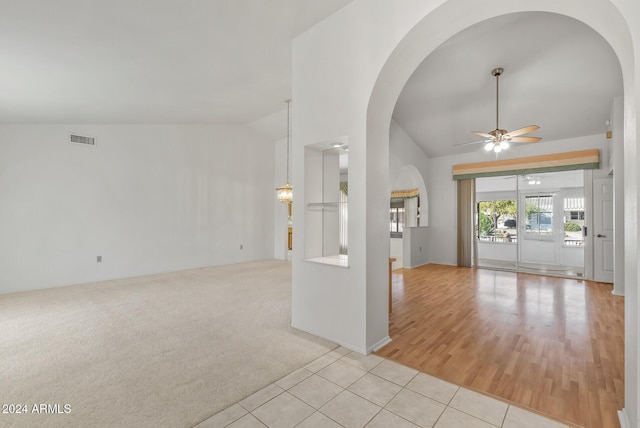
(499, 139)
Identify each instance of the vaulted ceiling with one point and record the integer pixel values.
(559, 74)
(197, 61)
(149, 61)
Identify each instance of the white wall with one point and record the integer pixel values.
(335, 65)
(415, 246)
(146, 198)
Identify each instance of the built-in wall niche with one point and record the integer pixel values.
(326, 167)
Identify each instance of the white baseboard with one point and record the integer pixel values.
(370, 349)
(357, 349)
(378, 345)
(337, 342)
(417, 266)
(624, 421)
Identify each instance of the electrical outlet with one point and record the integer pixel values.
(99, 259)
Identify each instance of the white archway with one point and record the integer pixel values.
(409, 177)
(446, 21)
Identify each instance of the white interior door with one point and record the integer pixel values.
(603, 230)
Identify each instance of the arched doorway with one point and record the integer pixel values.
(446, 21)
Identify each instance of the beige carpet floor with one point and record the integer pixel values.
(166, 350)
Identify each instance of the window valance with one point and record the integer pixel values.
(583, 159)
(404, 194)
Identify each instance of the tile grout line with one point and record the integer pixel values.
(364, 398)
(402, 388)
(344, 389)
(447, 405)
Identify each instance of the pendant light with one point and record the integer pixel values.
(285, 193)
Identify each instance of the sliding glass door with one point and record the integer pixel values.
(496, 219)
(532, 223)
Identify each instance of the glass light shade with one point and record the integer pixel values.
(489, 146)
(497, 148)
(285, 193)
(504, 145)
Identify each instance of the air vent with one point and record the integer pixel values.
(82, 139)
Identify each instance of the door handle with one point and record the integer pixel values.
(599, 235)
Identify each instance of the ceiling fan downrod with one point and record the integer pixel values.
(497, 72)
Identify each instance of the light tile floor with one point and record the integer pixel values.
(346, 389)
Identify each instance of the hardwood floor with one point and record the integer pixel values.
(552, 345)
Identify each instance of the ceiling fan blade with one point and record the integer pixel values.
(522, 131)
(482, 134)
(525, 140)
(468, 144)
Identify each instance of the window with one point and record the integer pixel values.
(496, 221)
(539, 215)
(576, 215)
(396, 218)
(573, 221)
(404, 211)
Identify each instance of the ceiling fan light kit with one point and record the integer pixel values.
(496, 147)
(499, 139)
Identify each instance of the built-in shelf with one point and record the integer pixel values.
(341, 260)
(326, 188)
(324, 204)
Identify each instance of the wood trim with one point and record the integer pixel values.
(583, 159)
(410, 193)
